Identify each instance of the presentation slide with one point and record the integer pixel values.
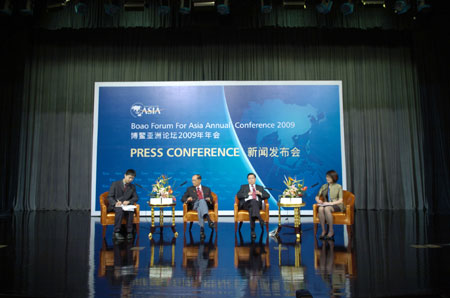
(222, 130)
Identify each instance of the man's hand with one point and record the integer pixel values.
(259, 193)
(189, 199)
(208, 199)
(125, 203)
(118, 204)
(250, 193)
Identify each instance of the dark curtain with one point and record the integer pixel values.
(13, 52)
(433, 64)
(382, 108)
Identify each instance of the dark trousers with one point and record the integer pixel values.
(120, 214)
(253, 207)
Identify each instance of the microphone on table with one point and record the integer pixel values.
(138, 185)
(271, 188)
(142, 187)
(314, 185)
(179, 186)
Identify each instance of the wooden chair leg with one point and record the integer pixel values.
(184, 227)
(315, 229)
(190, 225)
(349, 231)
(235, 227)
(240, 226)
(137, 228)
(104, 231)
(267, 226)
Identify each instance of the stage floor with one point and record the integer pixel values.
(62, 254)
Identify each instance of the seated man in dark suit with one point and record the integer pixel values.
(122, 192)
(250, 198)
(198, 198)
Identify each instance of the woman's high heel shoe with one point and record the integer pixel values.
(329, 238)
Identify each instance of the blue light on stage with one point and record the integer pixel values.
(423, 6)
(185, 7)
(266, 6)
(324, 7)
(81, 8)
(223, 9)
(27, 8)
(163, 9)
(401, 6)
(6, 9)
(184, 10)
(266, 9)
(111, 9)
(347, 8)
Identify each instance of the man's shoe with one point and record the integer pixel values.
(118, 236)
(262, 226)
(253, 235)
(211, 224)
(202, 233)
(130, 235)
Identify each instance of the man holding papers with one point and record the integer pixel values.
(121, 197)
(250, 198)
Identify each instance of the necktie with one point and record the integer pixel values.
(199, 194)
(253, 192)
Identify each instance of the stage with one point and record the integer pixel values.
(62, 254)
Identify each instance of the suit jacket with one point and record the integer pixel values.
(192, 192)
(245, 189)
(116, 194)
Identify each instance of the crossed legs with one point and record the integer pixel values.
(202, 209)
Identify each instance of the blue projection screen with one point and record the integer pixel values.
(222, 130)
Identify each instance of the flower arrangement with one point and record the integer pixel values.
(162, 188)
(294, 188)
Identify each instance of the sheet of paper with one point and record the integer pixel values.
(128, 207)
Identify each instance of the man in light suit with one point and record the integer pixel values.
(198, 198)
(250, 198)
(122, 192)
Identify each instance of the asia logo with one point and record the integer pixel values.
(138, 109)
